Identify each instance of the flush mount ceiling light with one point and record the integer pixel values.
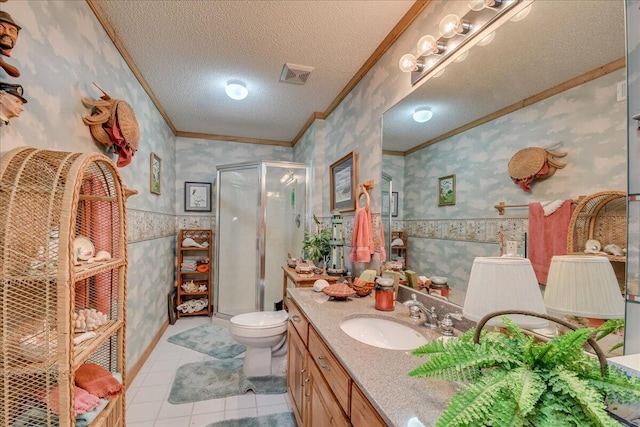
(236, 89)
(458, 34)
(422, 114)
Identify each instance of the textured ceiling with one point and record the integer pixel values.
(558, 41)
(186, 51)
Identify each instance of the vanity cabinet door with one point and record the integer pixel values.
(362, 413)
(324, 410)
(296, 372)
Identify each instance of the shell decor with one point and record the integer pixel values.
(339, 291)
(193, 305)
(88, 319)
(362, 287)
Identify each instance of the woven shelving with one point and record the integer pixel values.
(63, 253)
(601, 216)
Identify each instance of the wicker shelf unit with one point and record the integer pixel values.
(58, 210)
(200, 257)
(601, 216)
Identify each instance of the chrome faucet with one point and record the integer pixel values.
(415, 307)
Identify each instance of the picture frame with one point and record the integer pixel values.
(155, 174)
(343, 176)
(447, 190)
(197, 196)
(394, 203)
(385, 204)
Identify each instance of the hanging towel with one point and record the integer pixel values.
(547, 236)
(362, 237)
(383, 250)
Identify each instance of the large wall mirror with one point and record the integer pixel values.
(559, 70)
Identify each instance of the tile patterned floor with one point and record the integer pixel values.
(147, 404)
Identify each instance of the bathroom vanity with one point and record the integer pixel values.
(334, 379)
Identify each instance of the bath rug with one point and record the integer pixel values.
(220, 378)
(213, 340)
(283, 419)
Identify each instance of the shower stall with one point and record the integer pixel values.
(261, 212)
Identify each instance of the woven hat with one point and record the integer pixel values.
(527, 162)
(128, 124)
(5, 17)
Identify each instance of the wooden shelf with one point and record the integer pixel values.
(199, 278)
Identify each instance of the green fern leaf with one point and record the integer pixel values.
(591, 401)
(526, 387)
(473, 404)
(615, 385)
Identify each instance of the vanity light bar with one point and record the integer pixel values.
(480, 24)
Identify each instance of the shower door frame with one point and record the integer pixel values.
(261, 221)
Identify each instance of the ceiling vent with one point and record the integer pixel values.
(297, 74)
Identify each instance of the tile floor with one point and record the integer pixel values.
(147, 404)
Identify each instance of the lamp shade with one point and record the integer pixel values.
(584, 286)
(498, 283)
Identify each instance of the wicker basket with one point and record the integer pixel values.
(362, 287)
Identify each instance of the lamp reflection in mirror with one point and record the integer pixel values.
(422, 114)
(583, 286)
(481, 4)
(504, 283)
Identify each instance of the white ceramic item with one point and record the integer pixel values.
(319, 285)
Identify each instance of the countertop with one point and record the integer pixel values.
(382, 375)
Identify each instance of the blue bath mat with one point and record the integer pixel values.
(213, 340)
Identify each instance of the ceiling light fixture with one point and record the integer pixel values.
(422, 114)
(236, 89)
(459, 33)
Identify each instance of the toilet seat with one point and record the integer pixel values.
(260, 319)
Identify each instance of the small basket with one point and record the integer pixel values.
(362, 287)
(339, 291)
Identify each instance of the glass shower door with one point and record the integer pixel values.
(238, 219)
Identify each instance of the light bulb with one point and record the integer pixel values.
(236, 89)
(452, 25)
(428, 45)
(522, 14)
(422, 114)
(408, 63)
(488, 39)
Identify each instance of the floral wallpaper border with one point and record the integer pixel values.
(482, 230)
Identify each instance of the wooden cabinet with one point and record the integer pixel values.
(319, 386)
(194, 273)
(63, 283)
(362, 413)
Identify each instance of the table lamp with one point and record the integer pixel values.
(504, 283)
(583, 286)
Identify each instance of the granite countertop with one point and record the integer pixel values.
(381, 374)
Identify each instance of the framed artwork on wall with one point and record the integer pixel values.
(197, 196)
(342, 183)
(155, 171)
(447, 190)
(394, 203)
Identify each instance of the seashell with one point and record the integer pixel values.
(592, 247)
(614, 250)
(100, 256)
(190, 243)
(339, 291)
(319, 285)
(362, 287)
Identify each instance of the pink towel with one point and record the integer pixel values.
(383, 250)
(362, 237)
(83, 401)
(547, 236)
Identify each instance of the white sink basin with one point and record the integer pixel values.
(383, 333)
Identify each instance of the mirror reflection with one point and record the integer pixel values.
(550, 81)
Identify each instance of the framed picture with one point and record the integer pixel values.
(197, 196)
(447, 190)
(155, 173)
(394, 203)
(385, 204)
(342, 183)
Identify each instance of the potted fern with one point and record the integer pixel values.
(316, 244)
(511, 380)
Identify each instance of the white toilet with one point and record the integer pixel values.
(265, 335)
